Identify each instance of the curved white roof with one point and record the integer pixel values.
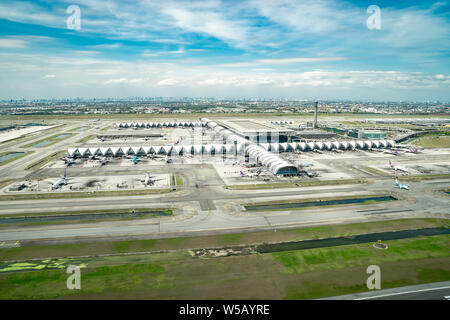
(311, 145)
(292, 146)
(302, 146)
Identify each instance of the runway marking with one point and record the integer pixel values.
(405, 292)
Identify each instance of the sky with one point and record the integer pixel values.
(290, 49)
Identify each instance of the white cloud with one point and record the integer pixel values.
(107, 46)
(283, 61)
(168, 82)
(27, 12)
(86, 52)
(13, 43)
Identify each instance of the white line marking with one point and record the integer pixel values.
(405, 292)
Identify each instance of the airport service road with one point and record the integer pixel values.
(212, 210)
(429, 291)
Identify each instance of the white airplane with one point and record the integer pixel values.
(414, 150)
(103, 161)
(401, 185)
(232, 162)
(60, 182)
(68, 161)
(397, 168)
(394, 152)
(148, 180)
(250, 174)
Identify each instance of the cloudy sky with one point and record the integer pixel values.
(306, 49)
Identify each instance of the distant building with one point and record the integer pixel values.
(367, 134)
(335, 129)
(315, 134)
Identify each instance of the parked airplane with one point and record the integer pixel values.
(60, 182)
(401, 185)
(168, 160)
(413, 150)
(103, 161)
(310, 174)
(232, 162)
(397, 168)
(394, 152)
(68, 161)
(154, 157)
(135, 160)
(148, 180)
(250, 174)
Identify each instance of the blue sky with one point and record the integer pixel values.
(311, 49)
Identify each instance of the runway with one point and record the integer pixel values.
(429, 291)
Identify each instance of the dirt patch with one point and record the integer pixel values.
(222, 252)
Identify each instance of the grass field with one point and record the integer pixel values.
(311, 183)
(87, 138)
(4, 183)
(179, 181)
(304, 274)
(376, 171)
(52, 140)
(107, 128)
(214, 241)
(38, 164)
(424, 177)
(433, 141)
